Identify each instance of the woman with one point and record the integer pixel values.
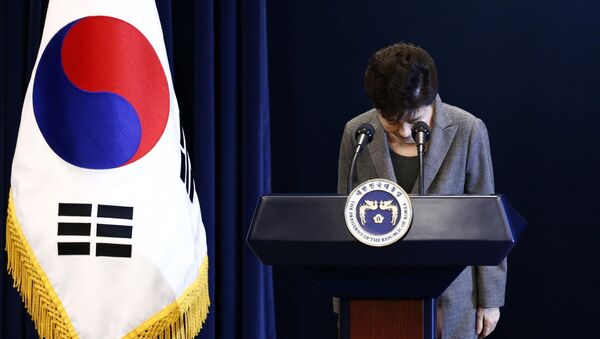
(401, 81)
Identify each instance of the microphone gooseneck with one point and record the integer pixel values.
(421, 133)
(364, 135)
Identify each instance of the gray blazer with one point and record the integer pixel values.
(457, 161)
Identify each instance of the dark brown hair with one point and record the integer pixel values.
(400, 79)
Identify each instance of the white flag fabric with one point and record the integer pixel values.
(104, 233)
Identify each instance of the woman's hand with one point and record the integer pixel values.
(487, 318)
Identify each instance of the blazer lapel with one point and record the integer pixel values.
(379, 152)
(442, 134)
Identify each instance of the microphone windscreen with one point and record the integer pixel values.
(420, 126)
(366, 129)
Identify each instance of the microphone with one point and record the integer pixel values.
(420, 133)
(364, 135)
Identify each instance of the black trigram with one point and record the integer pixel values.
(185, 172)
(110, 222)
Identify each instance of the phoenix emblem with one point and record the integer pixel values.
(373, 205)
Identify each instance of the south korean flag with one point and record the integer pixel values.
(104, 234)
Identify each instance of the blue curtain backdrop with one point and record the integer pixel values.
(218, 55)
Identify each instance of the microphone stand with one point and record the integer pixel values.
(420, 133)
(364, 135)
(351, 174)
(421, 151)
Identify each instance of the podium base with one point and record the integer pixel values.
(390, 319)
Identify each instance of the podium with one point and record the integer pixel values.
(386, 292)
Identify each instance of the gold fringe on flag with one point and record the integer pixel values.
(181, 319)
(184, 317)
(42, 303)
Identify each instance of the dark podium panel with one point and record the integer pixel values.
(447, 234)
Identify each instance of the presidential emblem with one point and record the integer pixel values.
(378, 212)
